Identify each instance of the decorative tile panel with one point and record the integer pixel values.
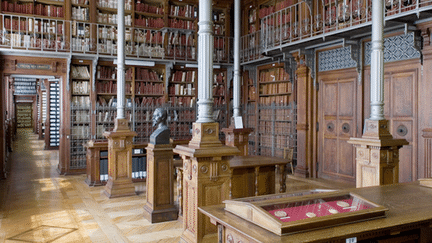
(335, 59)
(396, 48)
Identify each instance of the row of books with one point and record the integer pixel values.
(107, 32)
(15, 7)
(252, 93)
(80, 132)
(183, 101)
(108, 18)
(188, 11)
(148, 101)
(148, 75)
(282, 128)
(108, 116)
(181, 52)
(80, 87)
(80, 101)
(110, 87)
(219, 78)
(181, 24)
(273, 74)
(265, 11)
(176, 38)
(183, 76)
(277, 88)
(182, 89)
(149, 88)
(114, 4)
(110, 72)
(187, 115)
(283, 4)
(30, 41)
(148, 36)
(281, 100)
(80, 72)
(81, 44)
(219, 43)
(219, 29)
(34, 25)
(218, 16)
(81, 116)
(79, 13)
(280, 114)
(139, 170)
(147, 8)
(218, 90)
(83, 2)
(218, 101)
(149, 22)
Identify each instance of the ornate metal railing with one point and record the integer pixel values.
(55, 35)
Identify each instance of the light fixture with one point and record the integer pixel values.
(137, 63)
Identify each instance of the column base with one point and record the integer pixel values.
(161, 215)
(122, 187)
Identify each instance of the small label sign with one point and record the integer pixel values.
(351, 240)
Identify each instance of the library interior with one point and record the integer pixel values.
(288, 121)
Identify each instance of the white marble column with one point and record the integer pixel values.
(205, 62)
(377, 62)
(236, 94)
(120, 60)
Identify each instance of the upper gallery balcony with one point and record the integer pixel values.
(313, 23)
(28, 34)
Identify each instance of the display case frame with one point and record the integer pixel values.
(261, 210)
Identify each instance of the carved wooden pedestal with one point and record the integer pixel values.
(238, 138)
(120, 160)
(206, 178)
(159, 206)
(377, 155)
(93, 169)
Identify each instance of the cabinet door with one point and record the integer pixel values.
(337, 123)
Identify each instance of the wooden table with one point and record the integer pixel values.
(255, 175)
(409, 219)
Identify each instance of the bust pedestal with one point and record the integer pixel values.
(159, 206)
(119, 160)
(206, 178)
(377, 155)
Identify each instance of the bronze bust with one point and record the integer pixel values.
(162, 133)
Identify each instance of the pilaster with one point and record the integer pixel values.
(119, 160)
(206, 178)
(304, 109)
(159, 206)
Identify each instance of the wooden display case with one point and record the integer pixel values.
(308, 211)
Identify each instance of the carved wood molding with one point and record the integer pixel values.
(302, 126)
(427, 135)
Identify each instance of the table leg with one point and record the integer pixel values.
(256, 180)
(282, 178)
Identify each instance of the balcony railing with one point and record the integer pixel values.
(53, 35)
(298, 24)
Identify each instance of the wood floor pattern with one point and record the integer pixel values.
(39, 205)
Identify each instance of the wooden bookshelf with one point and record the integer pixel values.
(274, 85)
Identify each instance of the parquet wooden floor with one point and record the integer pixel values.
(39, 205)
